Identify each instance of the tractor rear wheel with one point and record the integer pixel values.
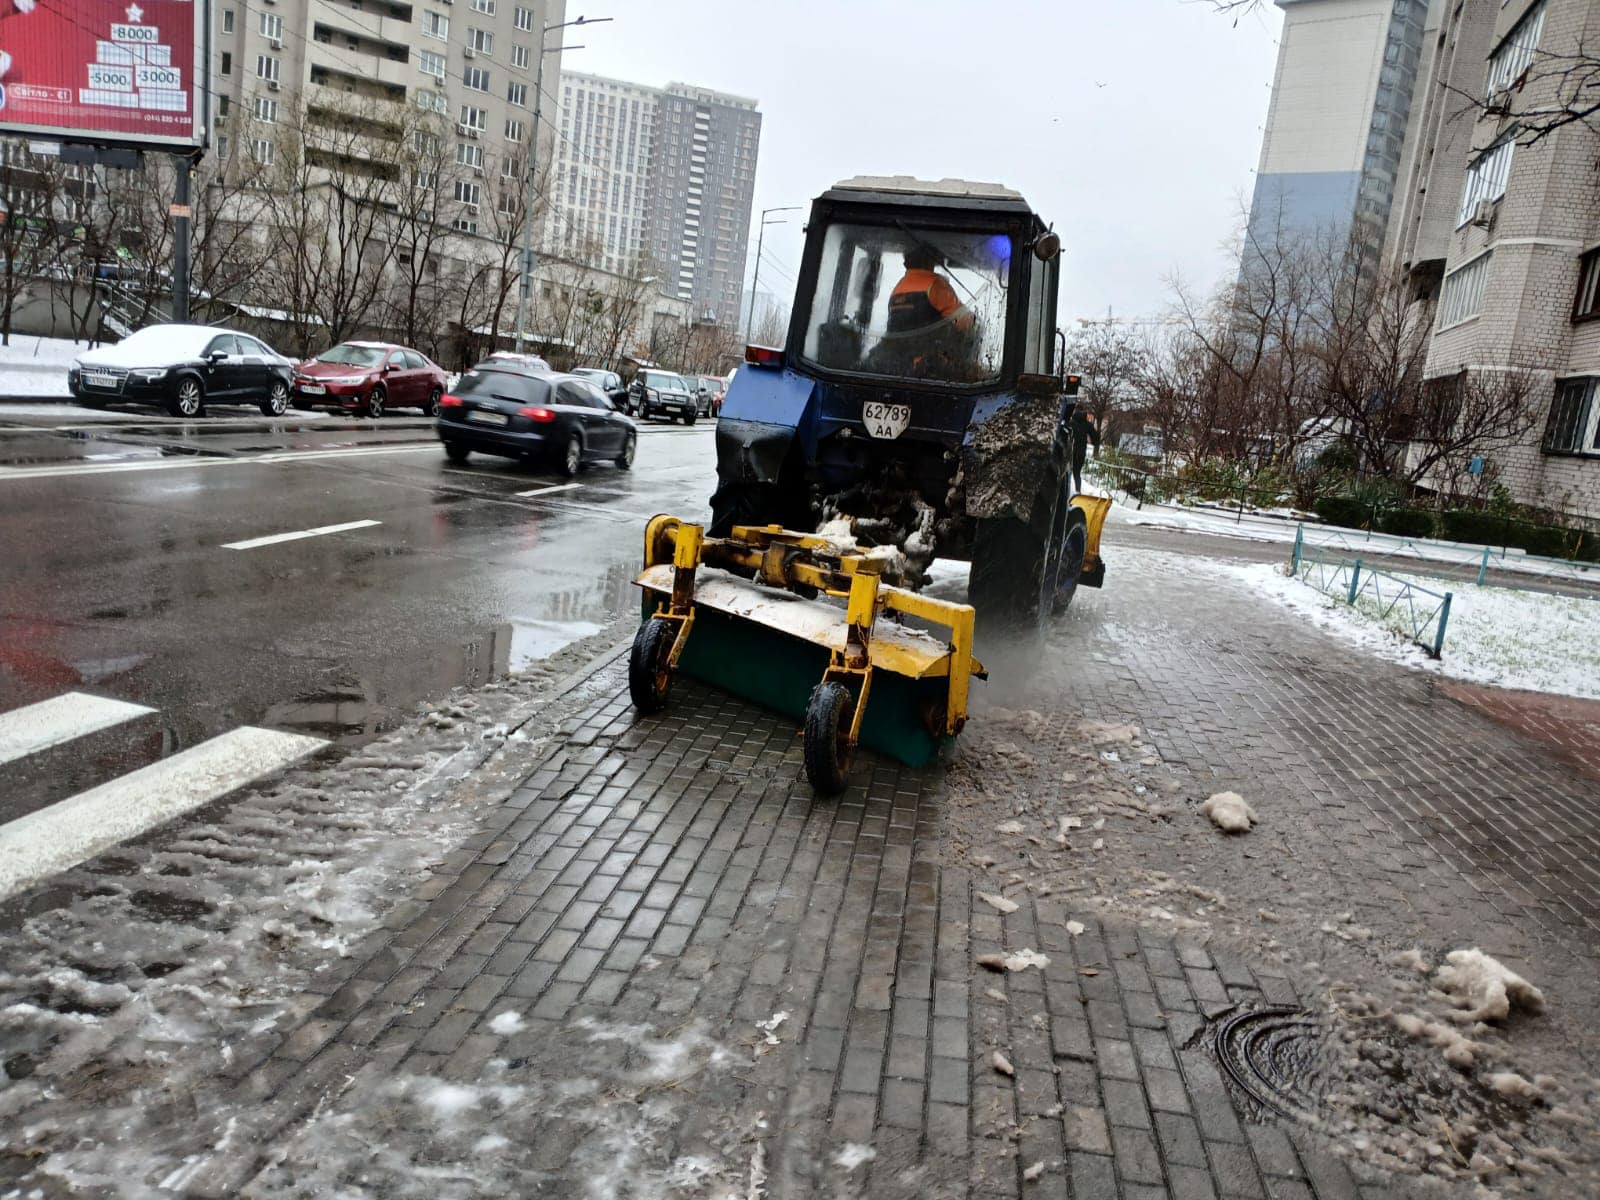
(827, 737)
(649, 671)
(1017, 565)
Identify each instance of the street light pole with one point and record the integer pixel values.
(761, 236)
(525, 286)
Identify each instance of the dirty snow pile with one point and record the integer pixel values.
(1533, 641)
(1229, 812)
(35, 366)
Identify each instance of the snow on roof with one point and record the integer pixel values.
(170, 339)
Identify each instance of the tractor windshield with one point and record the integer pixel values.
(904, 301)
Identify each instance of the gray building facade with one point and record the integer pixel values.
(1341, 98)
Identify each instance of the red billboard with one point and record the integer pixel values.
(110, 72)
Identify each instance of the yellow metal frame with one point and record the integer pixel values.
(805, 562)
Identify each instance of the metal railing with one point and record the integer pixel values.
(1460, 554)
(1420, 613)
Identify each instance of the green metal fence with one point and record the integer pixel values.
(1420, 613)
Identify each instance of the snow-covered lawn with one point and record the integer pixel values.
(34, 366)
(1529, 640)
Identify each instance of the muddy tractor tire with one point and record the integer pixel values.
(1024, 571)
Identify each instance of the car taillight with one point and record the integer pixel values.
(450, 401)
(542, 415)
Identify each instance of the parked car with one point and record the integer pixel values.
(510, 409)
(712, 389)
(663, 393)
(369, 377)
(608, 382)
(183, 368)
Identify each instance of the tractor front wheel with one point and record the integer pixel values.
(828, 752)
(649, 665)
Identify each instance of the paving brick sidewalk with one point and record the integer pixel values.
(658, 891)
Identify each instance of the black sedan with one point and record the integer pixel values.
(511, 409)
(183, 368)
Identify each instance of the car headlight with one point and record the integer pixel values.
(652, 393)
(346, 379)
(148, 372)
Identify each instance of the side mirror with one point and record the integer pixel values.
(387, 367)
(217, 356)
(1047, 245)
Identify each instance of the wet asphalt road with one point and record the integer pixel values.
(117, 578)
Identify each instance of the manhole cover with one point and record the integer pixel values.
(1279, 1057)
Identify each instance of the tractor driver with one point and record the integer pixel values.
(925, 311)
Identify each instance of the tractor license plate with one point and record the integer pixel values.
(887, 421)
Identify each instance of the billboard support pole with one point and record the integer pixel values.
(180, 248)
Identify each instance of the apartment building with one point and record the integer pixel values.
(1341, 96)
(662, 175)
(1502, 237)
(472, 63)
(600, 181)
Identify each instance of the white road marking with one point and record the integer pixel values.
(319, 531)
(25, 731)
(545, 491)
(64, 834)
(14, 474)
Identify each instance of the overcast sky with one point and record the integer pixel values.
(1141, 177)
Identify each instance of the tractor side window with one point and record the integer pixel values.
(1039, 352)
(911, 303)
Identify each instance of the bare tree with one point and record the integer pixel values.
(330, 176)
(772, 327)
(417, 228)
(1109, 360)
(30, 190)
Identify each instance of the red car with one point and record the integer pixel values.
(369, 377)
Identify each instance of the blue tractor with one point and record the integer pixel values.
(920, 396)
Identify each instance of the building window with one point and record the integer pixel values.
(464, 225)
(480, 41)
(267, 68)
(483, 6)
(1514, 55)
(435, 25)
(1462, 294)
(272, 26)
(474, 118)
(431, 101)
(517, 93)
(430, 63)
(519, 57)
(469, 155)
(425, 181)
(266, 110)
(476, 79)
(1573, 418)
(510, 168)
(262, 151)
(227, 63)
(514, 131)
(469, 194)
(524, 18)
(1588, 304)
(1486, 178)
(227, 20)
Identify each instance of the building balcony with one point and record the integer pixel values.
(364, 65)
(365, 24)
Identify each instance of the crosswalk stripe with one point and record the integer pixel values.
(36, 727)
(50, 840)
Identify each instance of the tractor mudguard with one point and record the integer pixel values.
(1014, 444)
(765, 423)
